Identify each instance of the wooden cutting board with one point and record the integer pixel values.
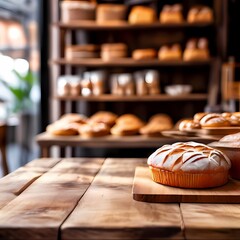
(146, 190)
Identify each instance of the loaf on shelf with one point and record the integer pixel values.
(111, 51)
(142, 54)
(170, 53)
(111, 13)
(196, 49)
(142, 15)
(82, 51)
(78, 11)
(200, 14)
(171, 14)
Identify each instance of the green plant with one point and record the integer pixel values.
(21, 92)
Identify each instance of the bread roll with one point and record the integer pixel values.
(198, 116)
(94, 130)
(105, 117)
(200, 14)
(189, 165)
(60, 128)
(188, 125)
(169, 53)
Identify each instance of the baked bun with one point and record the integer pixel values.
(214, 120)
(189, 165)
(141, 54)
(198, 116)
(155, 129)
(233, 119)
(171, 14)
(94, 130)
(61, 128)
(200, 14)
(126, 125)
(105, 117)
(170, 52)
(142, 15)
(196, 49)
(161, 118)
(188, 124)
(73, 118)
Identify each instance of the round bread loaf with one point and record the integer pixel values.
(94, 130)
(188, 124)
(189, 165)
(105, 117)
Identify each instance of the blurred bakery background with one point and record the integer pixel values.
(113, 69)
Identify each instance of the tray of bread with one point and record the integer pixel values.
(188, 172)
(211, 124)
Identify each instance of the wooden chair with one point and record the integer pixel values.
(3, 146)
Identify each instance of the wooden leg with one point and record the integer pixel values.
(4, 160)
(45, 152)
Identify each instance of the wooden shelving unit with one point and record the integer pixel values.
(204, 73)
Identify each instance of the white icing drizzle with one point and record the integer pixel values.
(188, 157)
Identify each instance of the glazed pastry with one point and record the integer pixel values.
(141, 54)
(189, 165)
(188, 124)
(214, 120)
(167, 53)
(196, 49)
(105, 117)
(142, 15)
(171, 14)
(200, 14)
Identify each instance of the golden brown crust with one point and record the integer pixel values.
(140, 54)
(94, 130)
(105, 117)
(188, 125)
(161, 118)
(214, 120)
(155, 129)
(73, 118)
(125, 129)
(170, 52)
(142, 14)
(199, 14)
(198, 116)
(171, 14)
(130, 119)
(62, 129)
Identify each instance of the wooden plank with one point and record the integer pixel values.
(146, 190)
(135, 98)
(129, 62)
(92, 25)
(108, 211)
(211, 221)
(39, 211)
(16, 182)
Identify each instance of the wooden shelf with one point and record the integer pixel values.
(46, 140)
(128, 62)
(135, 98)
(92, 25)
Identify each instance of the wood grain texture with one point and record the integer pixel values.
(39, 211)
(146, 190)
(211, 221)
(108, 211)
(16, 182)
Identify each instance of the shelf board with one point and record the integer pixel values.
(93, 25)
(127, 62)
(135, 98)
(139, 141)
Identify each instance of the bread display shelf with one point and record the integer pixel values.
(146, 190)
(128, 62)
(92, 25)
(135, 98)
(139, 141)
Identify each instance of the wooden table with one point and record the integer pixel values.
(74, 199)
(46, 141)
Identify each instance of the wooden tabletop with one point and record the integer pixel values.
(86, 198)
